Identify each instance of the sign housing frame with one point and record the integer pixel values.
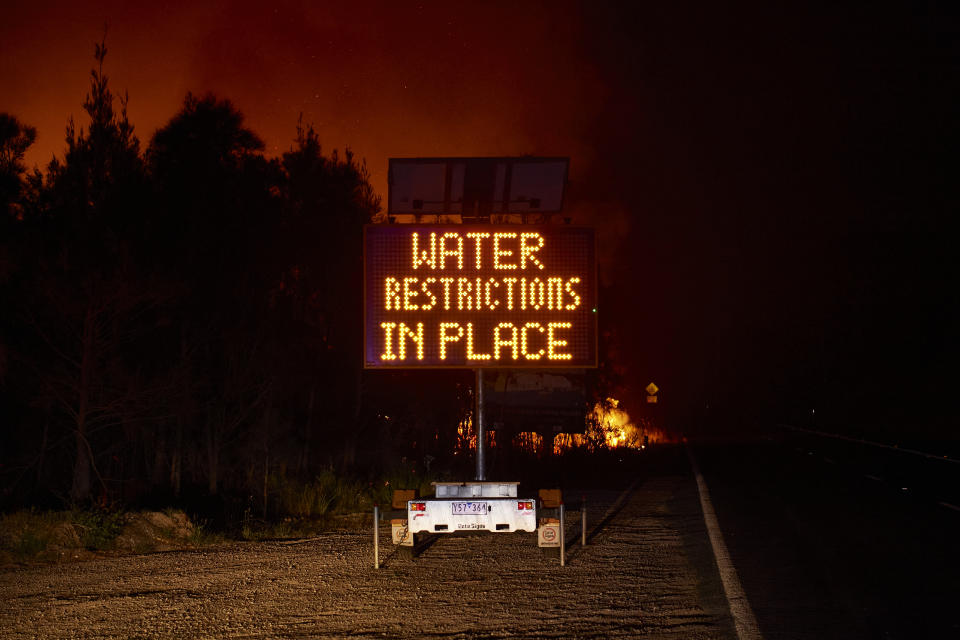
(485, 364)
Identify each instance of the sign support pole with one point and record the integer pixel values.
(480, 428)
(583, 521)
(563, 542)
(376, 537)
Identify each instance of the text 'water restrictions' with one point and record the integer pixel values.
(480, 296)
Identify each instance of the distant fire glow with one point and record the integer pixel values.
(567, 441)
(609, 426)
(467, 437)
(614, 425)
(528, 441)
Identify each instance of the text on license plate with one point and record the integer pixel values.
(469, 508)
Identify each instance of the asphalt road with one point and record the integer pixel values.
(838, 540)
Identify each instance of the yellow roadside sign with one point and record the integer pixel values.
(652, 389)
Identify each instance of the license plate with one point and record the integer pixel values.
(469, 508)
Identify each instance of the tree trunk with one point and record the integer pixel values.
(308, 436)
(266, 477)
(349, 452)
(213, 455)
(80, 491)
(159, 463)
(175, 459)
(41, 457)
(268, 417)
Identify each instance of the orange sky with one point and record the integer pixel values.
(386, 78)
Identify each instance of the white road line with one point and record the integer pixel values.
(896, 448)
(867, 475)
(743, 618)
(950, 506)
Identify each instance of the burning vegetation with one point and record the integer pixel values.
(529, 441)
(608, 426)
(567, 441)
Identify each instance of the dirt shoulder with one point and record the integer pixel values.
(647, 571)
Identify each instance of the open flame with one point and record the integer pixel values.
(567, 441)
(609, 426)
(612, 425)
(529, 441)
(467, 437)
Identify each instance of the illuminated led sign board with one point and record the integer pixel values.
(470, 296)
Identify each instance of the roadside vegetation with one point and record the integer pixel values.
(289, 508)
(49, 535)
(293, 508)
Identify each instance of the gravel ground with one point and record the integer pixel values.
(647, 571)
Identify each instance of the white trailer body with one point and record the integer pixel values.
(472, 506)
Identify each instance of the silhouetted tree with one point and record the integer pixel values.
(217, 199)
(15, 139)
(328, 200)
(190, 316)
(88, 302)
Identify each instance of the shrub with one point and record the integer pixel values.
(99, 527)
(310, 499)
(30, 544)
(329, 493)
(28, 534)
(202, 536)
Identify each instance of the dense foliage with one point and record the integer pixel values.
(177, 318)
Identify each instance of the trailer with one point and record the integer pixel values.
(526, 292)
(472, 506)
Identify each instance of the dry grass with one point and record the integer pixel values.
(43, 536)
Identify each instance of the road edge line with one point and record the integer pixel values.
(744, 621)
